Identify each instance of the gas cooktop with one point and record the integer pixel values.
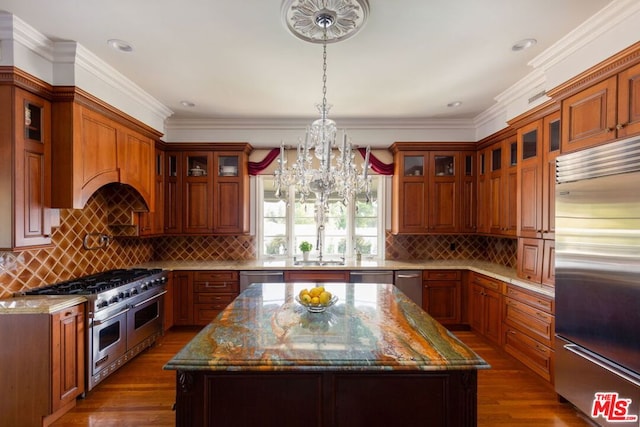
(96, 283)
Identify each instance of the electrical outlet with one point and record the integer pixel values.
(452, 246)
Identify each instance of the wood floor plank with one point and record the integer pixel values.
(141, 394)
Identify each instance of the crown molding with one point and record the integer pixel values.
(113, 78)
(15, 29)
(301, 123)
(603, 21)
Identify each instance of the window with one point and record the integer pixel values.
(358, 227)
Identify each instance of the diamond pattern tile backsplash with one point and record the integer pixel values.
(67, 258)
(442, 247)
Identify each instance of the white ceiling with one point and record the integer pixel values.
(236, 59)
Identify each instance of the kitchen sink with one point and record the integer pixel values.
(317, 263)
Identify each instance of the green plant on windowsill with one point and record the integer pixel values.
(305, 246)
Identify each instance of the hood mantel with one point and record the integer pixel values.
(95, 145)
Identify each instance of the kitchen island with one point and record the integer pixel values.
(374, 358)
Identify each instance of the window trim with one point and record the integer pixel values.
(383, 202)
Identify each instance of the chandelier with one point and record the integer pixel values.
(333, 171)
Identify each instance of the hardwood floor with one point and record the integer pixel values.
(142, 394)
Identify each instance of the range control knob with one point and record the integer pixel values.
(102, 304)
(113, 299)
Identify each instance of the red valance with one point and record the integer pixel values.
(256, 167)
(376, 165)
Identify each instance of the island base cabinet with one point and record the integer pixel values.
(447, 398)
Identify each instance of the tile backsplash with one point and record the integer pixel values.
(442, 247)
(67, 258)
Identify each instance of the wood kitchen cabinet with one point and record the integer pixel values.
(25, 168)
(485, 306)
(539, 144)
(602, 103)
(197, 192)
(502, 187)
(530, 180)
(529, 324)
(42, 364)
(601, 113)
(152, 223)
(95, 146)
(182, 283)
(551, 149)
(468, 193)
(441, 295)
(482, 187)
(427, 196)
(212, 292)
(207, 190)
(198, 296)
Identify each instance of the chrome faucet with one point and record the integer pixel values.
(319, 241)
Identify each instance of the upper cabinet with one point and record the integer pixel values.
(95, 146)
(25, 150)
(207, 189)
(497, 173)
(152, 223)
(602, 104)
(427, 196)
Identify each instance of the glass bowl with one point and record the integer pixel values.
(317, 308)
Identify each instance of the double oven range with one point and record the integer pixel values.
(125, 315)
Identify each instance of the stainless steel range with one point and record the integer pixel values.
(125, 315)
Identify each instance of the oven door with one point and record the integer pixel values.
(145, 319)
(108, 340)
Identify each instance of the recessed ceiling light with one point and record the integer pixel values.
(454, 104)
(523, 44)
(120, 45)
(187, 104)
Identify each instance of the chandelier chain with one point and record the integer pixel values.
(324, 71)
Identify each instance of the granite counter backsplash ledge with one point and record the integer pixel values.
(496, 271)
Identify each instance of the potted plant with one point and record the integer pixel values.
(305, 247)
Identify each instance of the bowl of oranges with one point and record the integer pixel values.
(316, 300)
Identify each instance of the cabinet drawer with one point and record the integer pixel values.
(487, 282)
(215, 276)
(216, 287)
(536, 356)
(529, 320)
(537, 301)
(441, 275)
(211, 298)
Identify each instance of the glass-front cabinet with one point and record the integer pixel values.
(207, 189)
(427, 196)
(25, 119)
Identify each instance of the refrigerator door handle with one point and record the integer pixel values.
(595, 359)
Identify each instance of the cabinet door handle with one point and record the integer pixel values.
(610, 129)
(620, 125)
(540, 349)
(211, 285)
(542, 315)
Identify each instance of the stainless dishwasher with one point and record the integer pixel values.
(248, 277)
(371, 276)
(410, 283)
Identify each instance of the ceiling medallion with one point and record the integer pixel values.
(307, 19)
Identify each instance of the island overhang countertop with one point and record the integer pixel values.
(372, 327)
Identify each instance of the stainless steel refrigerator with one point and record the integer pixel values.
(597, 298)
